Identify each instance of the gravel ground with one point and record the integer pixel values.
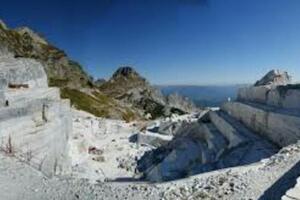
(264, 180)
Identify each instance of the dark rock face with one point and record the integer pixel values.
(125, 72)
(274, 77)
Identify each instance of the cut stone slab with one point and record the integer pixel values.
(232, 135)
(35, 124)
(153, 139)
(279, 96)
(280, 126)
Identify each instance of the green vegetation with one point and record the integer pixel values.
(128, 116)
(86, 102)
(97, 104)
(57, 82)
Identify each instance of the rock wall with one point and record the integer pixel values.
(271, 108)
(35, 123)
(281, 128)
(280, 96)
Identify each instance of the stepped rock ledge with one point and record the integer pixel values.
(35, 124)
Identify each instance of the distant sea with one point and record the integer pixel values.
(204, 96)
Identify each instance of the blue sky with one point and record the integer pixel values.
(170, 41)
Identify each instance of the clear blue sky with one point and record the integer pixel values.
(170, 41)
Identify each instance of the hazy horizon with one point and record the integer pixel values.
(172, 42)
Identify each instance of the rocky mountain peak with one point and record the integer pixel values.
(126, 72)
(274, 77)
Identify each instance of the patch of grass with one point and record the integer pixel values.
(102, 98)
(86, 102)
(98, 104)
(58, 82)
(128, 116)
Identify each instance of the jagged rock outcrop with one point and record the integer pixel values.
(35, 123)
(183, 103)
(274, 77)
(129, 87)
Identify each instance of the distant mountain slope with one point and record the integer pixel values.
(204, 95)
(129, 87)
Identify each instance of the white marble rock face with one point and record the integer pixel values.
(271, 96)
(22, 71)
(274, 77)
(35, 123)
